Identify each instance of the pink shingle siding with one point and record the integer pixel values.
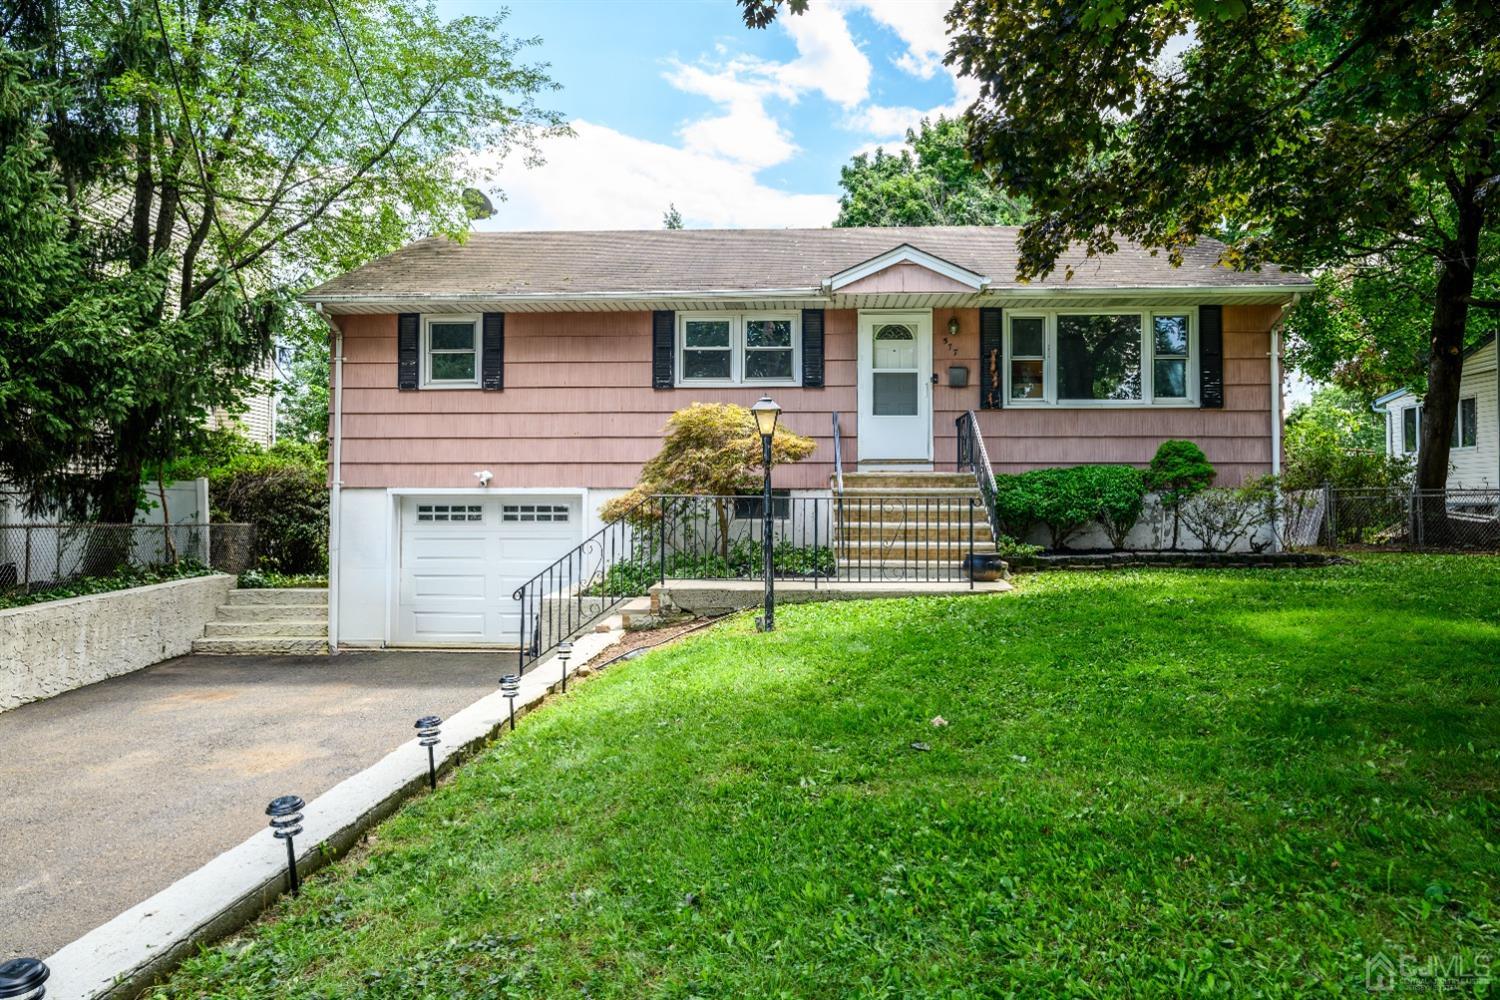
(578, 409)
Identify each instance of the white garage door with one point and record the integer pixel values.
(462, 558)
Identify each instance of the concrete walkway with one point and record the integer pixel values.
(114, 791)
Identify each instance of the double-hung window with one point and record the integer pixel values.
(1465, 426)
(450, 352)
(1117, 357)
(726, 348)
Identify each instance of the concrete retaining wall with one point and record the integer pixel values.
(46, 649)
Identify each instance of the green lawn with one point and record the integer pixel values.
(1234, 783)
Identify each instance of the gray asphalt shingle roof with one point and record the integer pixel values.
(701, 260)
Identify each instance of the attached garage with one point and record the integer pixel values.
(461, 558)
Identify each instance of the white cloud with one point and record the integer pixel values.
(920, 26)
(604, 179)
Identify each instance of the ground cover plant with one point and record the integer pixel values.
(1147, 784)
(123, 578)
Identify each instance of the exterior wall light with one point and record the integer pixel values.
(953, 326)
(22, 979)
(510, 686)
(286, 823)
(564, 653)
(428, 733)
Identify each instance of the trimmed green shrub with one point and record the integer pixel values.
(283, 492)
(1178, 471)
(1066, 500)
(1118, 493)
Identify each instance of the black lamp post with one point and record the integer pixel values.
(429, 729)
(766, 414)
(22, 979)
(286, 823)
(564, 653)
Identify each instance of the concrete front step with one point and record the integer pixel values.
(909, 492)
(262, 645)
(908, 480)
(280, 595)
(897, 527)
(917, 555)
(266, 612)
(267, 630)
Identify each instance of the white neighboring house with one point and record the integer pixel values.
(1474, 462)
(257, 419)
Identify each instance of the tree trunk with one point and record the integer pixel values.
(1445, 367)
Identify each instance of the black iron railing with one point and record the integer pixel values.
(815, 540)
(838, 456)
(974, 457)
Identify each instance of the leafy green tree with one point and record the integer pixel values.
(206, 158)
(1344, 417)
(1317, 135)
(712, 449)
(1336, 439)
(671, 218)
(1368, 329)
(931, 182)
(1178, 472)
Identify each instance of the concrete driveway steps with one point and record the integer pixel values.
(289, 629)
(269, 621)
(280, 595)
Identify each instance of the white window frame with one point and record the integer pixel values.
(737, 348)
(1148, 398)
(1458, 424)
(428, 382)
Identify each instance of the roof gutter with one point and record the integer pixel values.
(763, 294)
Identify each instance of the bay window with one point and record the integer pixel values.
(1101, 357)
(725, 348)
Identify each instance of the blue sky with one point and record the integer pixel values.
(677, 102)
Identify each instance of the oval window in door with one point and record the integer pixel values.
(896, 379)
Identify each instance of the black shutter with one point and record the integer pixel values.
(492, 352)
(1211, 357)
(812, 348)
(663, 348)
(991, 357)
(408, 350)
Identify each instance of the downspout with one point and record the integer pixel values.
(336, 478)
(1276, 531)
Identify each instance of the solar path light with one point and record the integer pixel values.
(428, 733)
(286, 823)
(22, 979)
(564, 653)
(510, 686)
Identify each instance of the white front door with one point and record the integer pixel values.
(895, 391)
(463, 556)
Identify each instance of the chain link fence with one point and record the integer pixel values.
(39, 556)
(1411, 520)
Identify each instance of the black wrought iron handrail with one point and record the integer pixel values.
(972, 455)
(556, 602)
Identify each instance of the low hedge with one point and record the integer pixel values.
(1067, 500)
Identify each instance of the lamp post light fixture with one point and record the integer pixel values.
(286, 823)
(429, 732)
(564, 653)
(22, 979)
(766, 413)
(510, 686)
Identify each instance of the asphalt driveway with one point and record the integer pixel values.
(111, 793)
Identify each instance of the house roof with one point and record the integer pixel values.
(689, 263)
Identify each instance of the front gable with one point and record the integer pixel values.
(905, 269)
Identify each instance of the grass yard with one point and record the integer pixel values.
(1196, 783)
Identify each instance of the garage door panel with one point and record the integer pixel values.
(443, 626)
(448, 586)
(457, 575)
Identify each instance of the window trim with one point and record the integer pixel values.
(427, 381)
(1458, 426)
(737, 348)
(1049, 397)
